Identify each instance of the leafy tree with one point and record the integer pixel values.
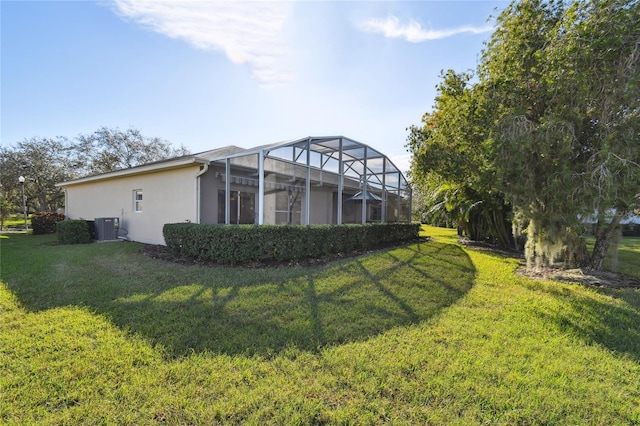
(565, 89)
(607, 90)
(107, 150)
(43, 162)
(5, 209)
(450, 163)
(552, 125)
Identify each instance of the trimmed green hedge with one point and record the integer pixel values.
(237, 244)
(45, 222)
(73, 232)
(631, 230)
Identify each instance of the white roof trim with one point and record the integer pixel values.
(139, 170)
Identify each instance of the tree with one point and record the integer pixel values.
(608, 84)
(6, 208)
(449, 163)
(551, 127)
(565, 87)
(107, 150)
(43, 162)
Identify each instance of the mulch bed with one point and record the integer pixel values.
(584, 277)
(578, 275)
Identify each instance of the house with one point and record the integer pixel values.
(313, 180)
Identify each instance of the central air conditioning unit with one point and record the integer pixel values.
(107, 228)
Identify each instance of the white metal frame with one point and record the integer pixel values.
(355, 161)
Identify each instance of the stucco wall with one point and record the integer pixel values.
(323, 197)
(321, 206)
(209, 186)
(169, 196)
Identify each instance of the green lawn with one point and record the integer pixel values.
(15, 221)
(628, 257)
(429, 333)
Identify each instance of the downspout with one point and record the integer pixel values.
(205, 168)
(66, 202)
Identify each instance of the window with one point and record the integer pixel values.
(288, 208)
(242, 207)
(137, 200)
(375, 213)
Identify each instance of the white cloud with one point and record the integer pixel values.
(402, 162)
(413, 31)
(249, 33)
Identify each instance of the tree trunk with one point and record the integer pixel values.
(577, 254)
(604, 236)
(617, 236)
(43, 204)
(505, 238)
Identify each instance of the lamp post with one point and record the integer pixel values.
(24, 203)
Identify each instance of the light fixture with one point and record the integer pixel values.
(24, 203)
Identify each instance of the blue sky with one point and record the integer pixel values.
(209, 74)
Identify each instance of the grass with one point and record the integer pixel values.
(628, 257)
(236, 310)
(429, 333)
(15, 221)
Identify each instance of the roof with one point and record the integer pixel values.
(168, 164)
(355, 155)
(358, 196)
(358, 159)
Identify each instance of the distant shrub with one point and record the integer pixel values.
(237, 244)
(73, 232)
(45, 222)
(631, 230)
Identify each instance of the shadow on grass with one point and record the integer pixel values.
(348, 302)
(254, 312)
(595, 319)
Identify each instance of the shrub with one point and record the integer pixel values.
(45, 222)
(73, 232)
(631, 230)
(233, 244)
(91, 224)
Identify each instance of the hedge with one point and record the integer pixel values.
(631, 230)
(238, 244)
(45, 222)
(73, 232)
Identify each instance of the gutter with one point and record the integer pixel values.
(204, 169)
(142, 169)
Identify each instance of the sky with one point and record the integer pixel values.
(206, 74)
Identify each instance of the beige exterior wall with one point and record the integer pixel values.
(323, 202)
(209, 186)
(321, 206)
(168, 196)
